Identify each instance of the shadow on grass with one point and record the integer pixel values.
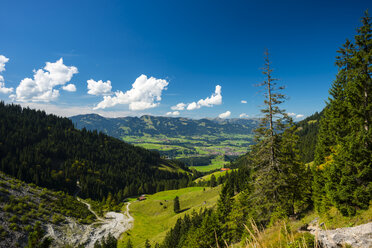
(183, 210)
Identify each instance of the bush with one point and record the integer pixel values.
(7, 208)
(4, 190)
(13, 226)
(13, 219)
(28, 228)
(24, 219)
(57, 218)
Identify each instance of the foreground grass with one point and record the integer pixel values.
(154, 217)
(284, 232)
(333, 218)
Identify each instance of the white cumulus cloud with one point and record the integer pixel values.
(69, 87)
(243, 101)
(3, 61)
(243, 115)
(3, 89)
(192, 106)
(225, 115)
(145, 94)
(214, 99)
(299, 116)
(180, 106)
(98, 88)
(42, 87)
(174, 113)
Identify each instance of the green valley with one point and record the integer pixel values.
(205, 144)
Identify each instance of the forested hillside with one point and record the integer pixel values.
(343, 155)
(47, 150)
(307, 131)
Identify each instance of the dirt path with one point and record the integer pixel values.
(90, 208)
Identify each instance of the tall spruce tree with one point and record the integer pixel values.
(176, 205)
(343, 158)
(277, 169)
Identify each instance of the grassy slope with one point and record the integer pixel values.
(152, 220)
(217, 174)
(217, 163)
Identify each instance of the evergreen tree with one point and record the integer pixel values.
(213, 182)
(129, 244)
(277, 169)
(147, 244)
(343, 159)
(176, 205)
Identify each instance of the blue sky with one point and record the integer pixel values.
(157, 54)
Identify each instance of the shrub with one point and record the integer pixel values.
(57, 218)
(24, 219)
(13, 226)
(13, 219)
(7, 208)
(28, 228)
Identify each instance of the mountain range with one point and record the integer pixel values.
(158, 125)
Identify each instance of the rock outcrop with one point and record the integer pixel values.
(356, 237)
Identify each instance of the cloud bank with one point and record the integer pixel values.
(3, 89)
(145, 94)
(243, 115)
(42, 87)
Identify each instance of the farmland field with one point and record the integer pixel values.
(204, 153)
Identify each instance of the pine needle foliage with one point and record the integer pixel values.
(278, 177)
(343, 158)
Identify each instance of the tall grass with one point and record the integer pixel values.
(279, 235)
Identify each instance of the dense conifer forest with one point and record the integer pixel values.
(47, 150)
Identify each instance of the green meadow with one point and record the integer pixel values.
(154, 216)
